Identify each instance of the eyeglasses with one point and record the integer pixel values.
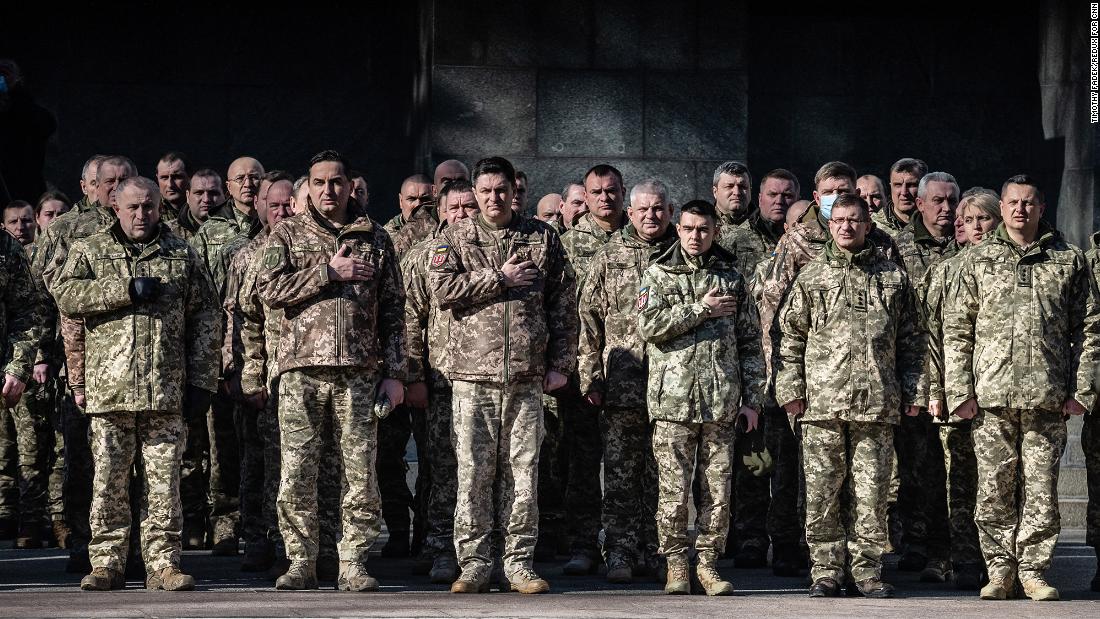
(842, 221)
(245, 177)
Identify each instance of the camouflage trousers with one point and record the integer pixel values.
(1018, 453)
(498, 430)
(834, 452)
(676, 448)
(344, 397)
(1090, 444)
(786, 511)
(443, 486)
(579, 456)
(961, 488)
(630, 484)
(29, 423)
(118, 439)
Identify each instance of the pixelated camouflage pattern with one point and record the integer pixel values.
(24, 315)
(223, 225)
(753, 242)
(676, 447)
(838, 453)
(583, 240)
(1090, 433)
(961, 486)
(852, 347)
(426, 328)
(701, 368)
(611, 355)
(1018, 453)
(394, 225)
(185, 225)
(920, 251)
(1021, 326)
(140, 357)
(800, 245)
(422, 224)
(332, 323)
(497, 333)
(117, 439)
(728, 223)
(887, 220)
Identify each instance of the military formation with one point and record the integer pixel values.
(630, 386)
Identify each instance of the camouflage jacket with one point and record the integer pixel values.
(701, 369)
(752, 243)
(730, 222)
(421, 225)
(185, 225)
(801, 244)
(851, 346)
(333, 323)
(394, 225)
(140, 356)
(49, 257)
(426, 327)
(920, 251)
(582, 242)
(888, 221)
(497, 333)
(1021, 326)
(937, 281)
(236, 275)
(222, 226)
(611, 356)
(23, 318)
(170, 212)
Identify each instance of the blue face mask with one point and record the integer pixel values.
(826, 204)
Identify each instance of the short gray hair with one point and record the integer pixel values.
(733, 168)
(142, 183)
(120, 161)
(935, 177)
(87, 164)
(301, 181)
(568, 186)
(651, 187)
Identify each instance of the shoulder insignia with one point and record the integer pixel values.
(439, 254)
(643, 299)
(273, 257)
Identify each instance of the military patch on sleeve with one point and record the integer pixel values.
(439, 255)
(643, 299)
(273, 257)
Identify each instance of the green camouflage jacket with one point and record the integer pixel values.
(23, 311)
(421, 225)
(851, 346)
(236, 279)
(921, 251)
(729, 222)
(333, 323)
(426, 328)
(753, 242)
(498, 333)
(611, 355)
(394, 225)
(583, 240)
(222, 226)
(185, 225)
(139, 357)
(888, 221)
(701, 369)
(937, 281)
(1021, 326)
(255, 325)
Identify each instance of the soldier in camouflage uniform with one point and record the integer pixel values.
(925, 241)
(511, 293)
(548, 209)
(1021, 337)
(731, 186)
(416, 191)
(1090, 444)
(235, 217)
(756, 515)
(850, 309)
(426, 332)
(612, 369)
(148, 312)
(173, 176)
(333, 273)
(51, 252)
(257, 428)
(580, 449)
(905, 175)
(702, 336)
(980, 214)
(205, 194)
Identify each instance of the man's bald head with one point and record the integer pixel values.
(415, 190)
(797, 210)
(449, 170)
(549, 208)
(243, 179)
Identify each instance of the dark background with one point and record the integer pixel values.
(657, 88)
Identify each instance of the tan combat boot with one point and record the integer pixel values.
(707, 571)
(471, 581)
(678, 580)
(300, 575)
(354, 577)
(169, 579)
(527, 581)
(998, 588)
(103, 579)
(1038, 590)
